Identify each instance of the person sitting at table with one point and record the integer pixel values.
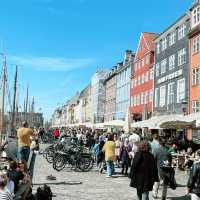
(15, 174)
(24, 186)
(4, 192)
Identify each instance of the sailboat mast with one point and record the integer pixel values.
(14, 104)
(3, 100)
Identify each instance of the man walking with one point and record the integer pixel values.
(163, 159)
(24, 141)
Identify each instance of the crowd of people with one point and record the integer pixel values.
(146, 160)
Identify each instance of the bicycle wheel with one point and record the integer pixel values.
(59, 162)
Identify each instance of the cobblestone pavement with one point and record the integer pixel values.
(92, 185)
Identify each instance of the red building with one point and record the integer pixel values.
(142, 78)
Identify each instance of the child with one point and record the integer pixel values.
(124, 156)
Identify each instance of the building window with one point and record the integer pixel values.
(196, 16)
(172, 38)
(146, 94)
(164, 44)
(195, 76)
(143, 78)
(162, 95)
(181, 31)
(195, 106)
(157, 70)
(138, 65)
(180, 90)
(143, 62)
(142, 98)
(151, 74)
(148, 59)
(138, 99)
(156, 97)
(158, 48)
(139, 80)
(150, 95)
(135, 82)
(171, 62)
(182, 57)
(163, 66)
(170, 93)
(195, 45)
(147, 76)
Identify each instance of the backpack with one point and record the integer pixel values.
(44, 193)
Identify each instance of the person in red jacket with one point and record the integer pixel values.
(56, 134)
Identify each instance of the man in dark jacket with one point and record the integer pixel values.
(194, 180)
(163, 159)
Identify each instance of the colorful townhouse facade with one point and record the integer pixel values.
(194, 52)
(171, 69)
(123, 85)
(142, 78)
(98, 96)
(110, 98)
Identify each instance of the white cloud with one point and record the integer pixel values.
(51, 63)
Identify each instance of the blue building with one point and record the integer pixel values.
(123, 85)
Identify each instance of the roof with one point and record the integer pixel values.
(148, 40)
(149, 37)
(173, 24)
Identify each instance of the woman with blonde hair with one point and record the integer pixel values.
(109, 150)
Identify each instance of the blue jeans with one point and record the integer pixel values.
(110, 167)
(143, 196)
(23, 153)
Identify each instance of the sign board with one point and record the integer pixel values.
(170, 76)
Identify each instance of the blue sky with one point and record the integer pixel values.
(58, 44)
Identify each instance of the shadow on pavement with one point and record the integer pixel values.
(59, 183)
(186, 197)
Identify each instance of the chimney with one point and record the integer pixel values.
(128, 56)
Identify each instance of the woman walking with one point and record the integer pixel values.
(143, 172)
(109, 150)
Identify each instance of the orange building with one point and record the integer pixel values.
(142, 78)
(194, 55)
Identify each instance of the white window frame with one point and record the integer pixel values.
(157, 66)
(180, 90)
(147, 76)
(172, 38)
(164, 44)
(195, 76)
(143, 78)
(195, 45)
(142, 98)
(162, 95)
(158, 48)
(172, 62)
(156, 99)
(163, 66)
(147, 59)
(182, 57)
(195, 16)
(170, 93)
(195, 106)
(181, 31)
(143, 62)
